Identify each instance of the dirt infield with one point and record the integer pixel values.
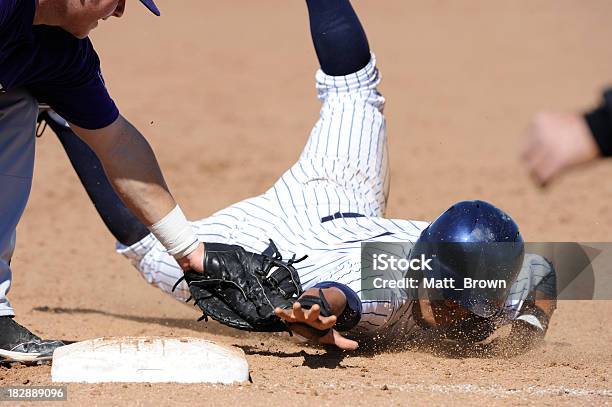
(220, 87)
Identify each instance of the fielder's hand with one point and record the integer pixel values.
(241, 289)
(555, 142)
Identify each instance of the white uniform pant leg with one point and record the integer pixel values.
(344, 165)
(18, 112)
(156, 266)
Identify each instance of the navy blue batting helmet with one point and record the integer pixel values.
(480, 248)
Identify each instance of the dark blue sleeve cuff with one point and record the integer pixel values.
(600, 124)
(352, 312)
(74, 87)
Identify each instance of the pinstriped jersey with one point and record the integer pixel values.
(329, 202)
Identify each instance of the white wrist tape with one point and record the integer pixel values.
(175, 233)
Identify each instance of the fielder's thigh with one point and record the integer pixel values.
(18, 111)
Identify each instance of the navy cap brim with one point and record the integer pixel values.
(151, 6)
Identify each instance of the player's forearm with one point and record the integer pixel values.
(133, 172)
(132, 169)
(145, 192)
(335, 298)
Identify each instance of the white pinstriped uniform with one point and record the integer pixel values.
(343, 169)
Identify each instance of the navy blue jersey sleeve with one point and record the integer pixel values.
(7, 8)
(16, 17)
(56, 67)
(69, 79)
(11, 11)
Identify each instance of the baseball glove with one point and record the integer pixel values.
(241, 289)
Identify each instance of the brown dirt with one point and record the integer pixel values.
(218, 87)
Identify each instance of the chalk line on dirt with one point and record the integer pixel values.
(496, 391)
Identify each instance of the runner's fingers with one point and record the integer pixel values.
(285, 314)
(326, 322)
(313, 313)
(298, 312)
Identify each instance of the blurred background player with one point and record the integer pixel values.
(556, 142)
(332, 200)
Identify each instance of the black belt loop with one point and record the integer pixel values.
(339, 215)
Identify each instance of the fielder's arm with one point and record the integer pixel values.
(133, 171)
